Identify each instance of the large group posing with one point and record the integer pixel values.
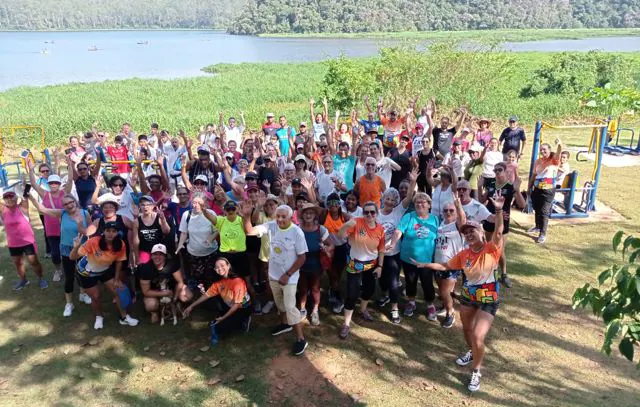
(237, 222)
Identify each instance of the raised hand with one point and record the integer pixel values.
(497, 200)
(77, 240)
(245, 208)
(413, 175)
(311, 101)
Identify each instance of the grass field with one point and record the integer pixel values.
(484, 35)
(540, 351)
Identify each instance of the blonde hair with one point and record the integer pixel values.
(421, 195)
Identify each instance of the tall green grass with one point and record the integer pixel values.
(253, 88)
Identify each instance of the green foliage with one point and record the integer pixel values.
(351, 16)
(347, 81)
(612, 101)
(617, 298)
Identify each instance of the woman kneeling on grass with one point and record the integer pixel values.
(233, 302)
(102, 263)
(480, 294)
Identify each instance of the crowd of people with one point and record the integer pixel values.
(238, 222)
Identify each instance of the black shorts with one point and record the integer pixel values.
(253, 244)
(490, 307)
(28, 250)
(92, 281)
(239, 262)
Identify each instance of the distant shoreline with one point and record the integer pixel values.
(115, 29)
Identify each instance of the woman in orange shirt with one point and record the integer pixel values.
(370, 186)
(480, 292)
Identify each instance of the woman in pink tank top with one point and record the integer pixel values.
(20, 238)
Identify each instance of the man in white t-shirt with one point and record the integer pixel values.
(474, 210)
(328, 180)
(232, 131)
(287, 255)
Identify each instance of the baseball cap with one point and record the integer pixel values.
(405, 136)
(296, 181)
(54, 178)
(300, 146)
(159, 248)
(110, 225)
(273, 198)
(456, 143)
(372, 131)
(300, 157)
(230, 205)
(228, 155)
(476, 147)
(147, 198)
(270, 115)
(466, 130)
(202, 178)
(204, 150)
(252, 188)
(303, 124)
(250, 175)
(513, 118)
(471, 224)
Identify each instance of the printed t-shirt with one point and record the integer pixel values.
(392, 130)
(369, 125)
(119, 154)
(476, 211)
(545, 170)
(345, 167)
(418, 237)
(449, 242)
(200, 232)
(443, 139)
(232, 236)
(371, 190)
(389, 223)
(286, 245)
(269, 129)
(483, 137)
(365, 242)
(508, 192)
(99, 261)
(149, 272)
(480, 272)
(231, 290)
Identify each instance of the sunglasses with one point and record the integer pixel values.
(448, 210)
(229, 158)
(69, 203)
(9, 196)
(498, 170)
(44, 171)
(117, 186)
(366, 213)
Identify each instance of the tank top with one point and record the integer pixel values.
(122, 228)
(52, 223)
(69, 228)
(149, 235)
(333, 225)
(17, 228)
(312, 259)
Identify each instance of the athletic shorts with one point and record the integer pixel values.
(28, 250)
(92, 281)
(448, 275)
(490, 308)
(484, 297)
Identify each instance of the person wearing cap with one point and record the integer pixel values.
(443, 184)
(286, 135)
(473, 169)
(201, 185)
(328, 180)
(402, 157)
(203, 165)
(370, 186)
(483, 134)
(21, 240)
(301, 163)
(300, 189)
(287, 254)
(152, 275)
(100, 260)
(149, 229)
(302, 135)
(481, 291)
(443, 134)
(121, 192)
(344, 160)
(317, 239)
(232, 132)
(513, 138)
(269, 127)
(473, 209)
(320, 120)
(426, 118)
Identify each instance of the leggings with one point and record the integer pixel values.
(53, 247)
(309, 281)
(389, 277)
(69, 268)
(412, 274)
(234, 322)
(359, 285)
(542, 200)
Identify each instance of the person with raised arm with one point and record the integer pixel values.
(541, 186)
(443, 134)
(319, 120)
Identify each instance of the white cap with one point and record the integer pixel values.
(109, 197)
(228, 155)
(476, 147)
(300, 157)
(159, 248)
(466, 130)
(54, 178)
(270, 115)
(202, 178)
(303, 124)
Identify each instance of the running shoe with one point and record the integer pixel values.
(267, 307)
(383, 301)
(344, 331)
(300, 346)
(533, 231)
(315, 318)
(395, 316)
(448, 321)
(281, 329)
(84, 298)
(408, 309)
(542, 238)
(43, 284)
(338, 307)
(57, 276)
(474, 382)
(20, 285)
(504, 278)
(68, 309)
(431, 313)
(99, 322)
(128, 320)
(366, 315)
(441, 311)
(464, 358)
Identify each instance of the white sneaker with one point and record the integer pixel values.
(474, 383)
(84, 298)
(533, 230)
(266, 308)
(129, 320)
(465, 358)
(315, 318)
(68, 309)
(99, 323)
(57, 276)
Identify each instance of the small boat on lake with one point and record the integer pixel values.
(93, 48)
(143, 43)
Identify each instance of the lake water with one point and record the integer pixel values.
(45, 58)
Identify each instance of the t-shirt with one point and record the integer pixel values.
(269, 129)
(384, 171)
(231, 291)
(369, 125)
(418, 237)
(476, 211)
(472, 172)
(389, 224)
(52, 223)
(491, 158)
(508, 192)
(545, 170)
(404, 161)
(286, 245)
(232, 236)
(366, 242)
(318, 130)
(149, 272)
(439, 198)
(283, 134)
(325, 184)
(200, 232)
(119, 154)
(483, 137)
(233, 134)
(370, 190)
(479, 268)
(84, 189)
(442, 139)
(345, 167)
(314, 239)
(449, 242)
(392, 130)
(512, 139)
(97, 260)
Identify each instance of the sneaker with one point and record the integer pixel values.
(84, 298)
(533, 231)
(338, 307)
(441, 312)
(383, 301)
(128, 320)
(257, 308)
(300, 346)
(214, 334)
(474, 383)
(448, 321)
(315, 318)
(99, 322)
(246, 324)
(43, 284)
(464, 358)
(344, 331)
(505, 280)
(20, 285)
(395, 316)
(332, 297)
(541, 239)
(303, 313)
(266, 308)
(431, 313)
(408, 309)
(68, 309)
(281, 329)
(57, 276)
(366, 316)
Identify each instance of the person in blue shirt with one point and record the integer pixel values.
(286, 135)
(371, 124)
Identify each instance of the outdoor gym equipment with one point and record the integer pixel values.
(613, 146)
(9, 134)
(570, 185)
